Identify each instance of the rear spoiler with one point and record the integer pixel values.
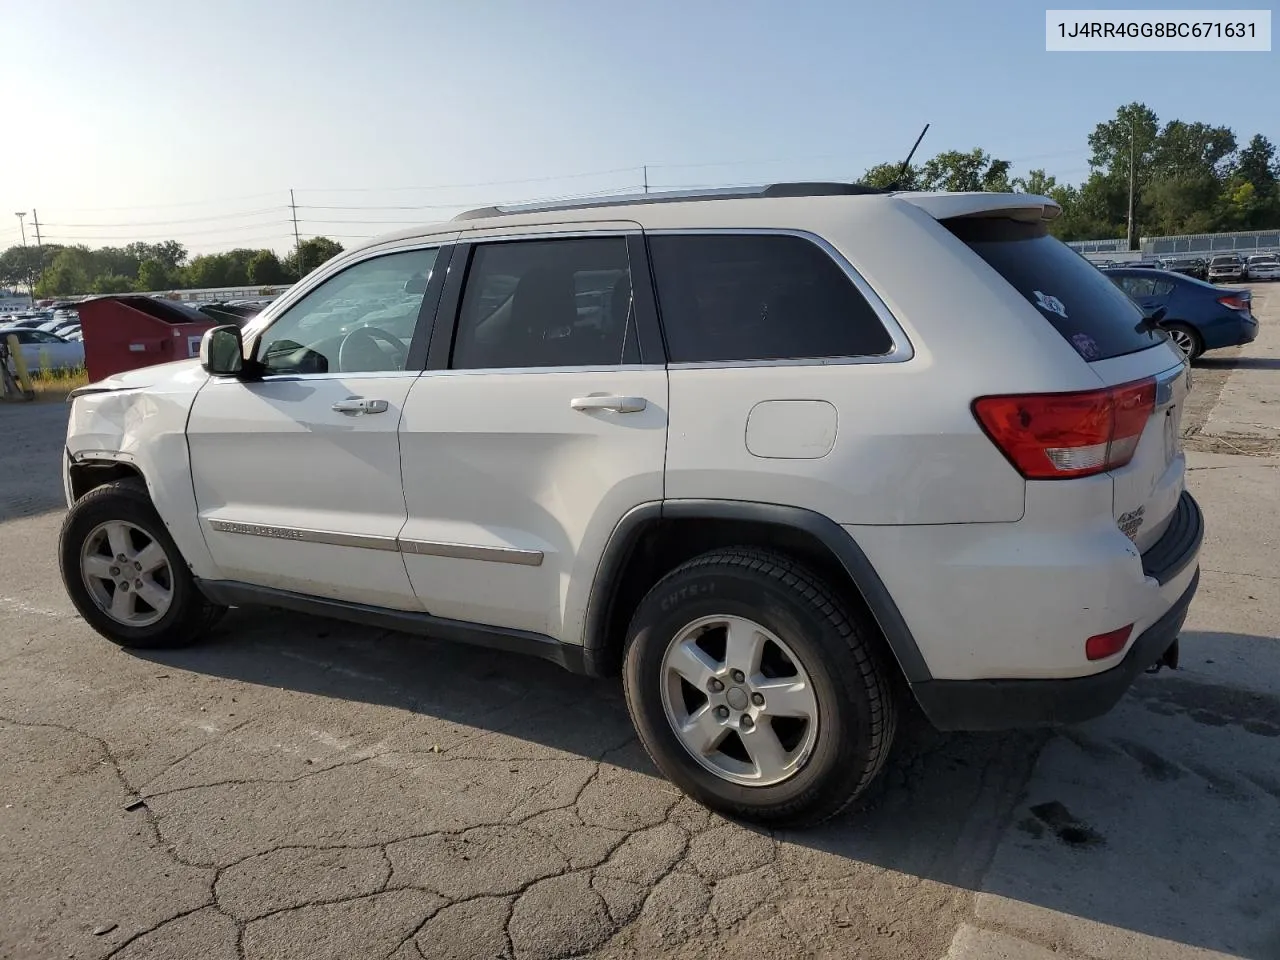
(1014, 206)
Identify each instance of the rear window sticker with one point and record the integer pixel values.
(1086, 346)
(1052, 304)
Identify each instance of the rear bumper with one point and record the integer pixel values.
(1229, 331)
(1009, 704)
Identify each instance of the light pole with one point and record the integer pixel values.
(22, 225)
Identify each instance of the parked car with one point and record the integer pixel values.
(45, 351)
(632, 435)
(27, 321)
(1226, 267)
(1189, 266)
(1263, 266)
(1197, 315)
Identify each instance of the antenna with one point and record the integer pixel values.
(897, 180)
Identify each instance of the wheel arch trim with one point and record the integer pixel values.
(843, 547)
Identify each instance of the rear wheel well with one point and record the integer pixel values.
(92, 474)
(661, 545)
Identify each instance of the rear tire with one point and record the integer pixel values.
(814, 685)
(125, 574)
(1186, 339)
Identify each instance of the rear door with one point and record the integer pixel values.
(1149, 291)
(1108, 331)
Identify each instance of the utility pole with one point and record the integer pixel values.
(35, 222)
(297, 239)
(1133, 233)
(22, 225)
(646, 178)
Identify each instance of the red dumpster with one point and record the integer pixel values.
(126, 332)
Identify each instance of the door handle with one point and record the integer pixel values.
(358, 405)
(618, 404)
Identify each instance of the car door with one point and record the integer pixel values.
(297, 474)
(39, 350)
(541, 420)
(1154, 293)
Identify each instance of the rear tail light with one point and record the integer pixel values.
(1056, 436)
(1235, 302)
(1107, 644)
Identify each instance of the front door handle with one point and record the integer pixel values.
(359, 405)
(618, 404)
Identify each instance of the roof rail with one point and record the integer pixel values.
(814, 189)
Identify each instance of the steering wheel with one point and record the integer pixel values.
(359, 351)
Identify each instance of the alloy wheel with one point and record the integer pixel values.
(127, 573)
(739, 700)
(1183, 341)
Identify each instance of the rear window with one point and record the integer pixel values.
(1078, 300)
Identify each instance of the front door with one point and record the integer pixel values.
(297, 475)
(534, 430)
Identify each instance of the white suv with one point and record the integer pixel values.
(786, 458)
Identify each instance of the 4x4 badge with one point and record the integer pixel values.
(1052, 304)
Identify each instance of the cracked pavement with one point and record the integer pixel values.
(298, 787)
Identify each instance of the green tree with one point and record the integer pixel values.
(266, 268)
(1036, 182)
(115, 261)
(971, 171)
(314, 252)
(208, 270)
(71, 272)
(169, 253)
(154, 276)
(112, 283)
(1135, 126)
(1193, 150)
(1257, 163)
(19, 266)
(886, 174)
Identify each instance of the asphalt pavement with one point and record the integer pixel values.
(298, 787)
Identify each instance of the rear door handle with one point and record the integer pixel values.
(358, 405)
(618, 404)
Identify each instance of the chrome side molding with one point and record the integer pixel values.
(428, 548)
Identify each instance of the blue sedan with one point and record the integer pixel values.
(1198, 315)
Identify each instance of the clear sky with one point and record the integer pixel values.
(147, 112)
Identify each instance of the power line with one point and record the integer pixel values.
(167, 206)
(164, 223)
(465, 186)
(80, 238)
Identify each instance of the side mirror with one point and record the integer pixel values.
(222, 351)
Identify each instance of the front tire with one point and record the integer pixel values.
(756, 690)
(125, 574)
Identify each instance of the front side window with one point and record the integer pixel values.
(734, 297)
(361, 320)
(547, 303)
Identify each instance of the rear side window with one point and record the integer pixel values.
(547, 303)
(759, 297)
(1144, 286)
(1078, 300)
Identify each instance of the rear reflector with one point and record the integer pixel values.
(1235, 302)
(1107, 644)
(1056, 436)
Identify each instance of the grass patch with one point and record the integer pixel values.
(52, 384)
